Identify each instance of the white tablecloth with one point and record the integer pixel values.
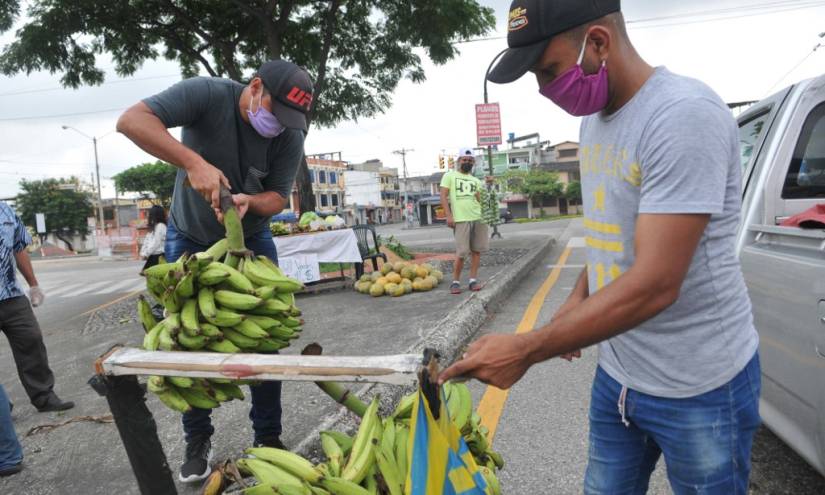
(299, 255)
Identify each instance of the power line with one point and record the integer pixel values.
(105, 83)
(61, 115)
(766, 5)
(815, 48)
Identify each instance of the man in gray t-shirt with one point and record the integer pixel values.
(249, 138)
(662, 293)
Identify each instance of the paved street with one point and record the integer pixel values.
(542, 431)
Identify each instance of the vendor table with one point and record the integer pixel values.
(299, 254)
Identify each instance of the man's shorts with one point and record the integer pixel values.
(471, 237)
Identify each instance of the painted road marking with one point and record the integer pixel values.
(576, 242)
(492, 403)
(123, 286)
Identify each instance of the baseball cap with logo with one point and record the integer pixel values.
(466, 152)
(532, 23)
(291, 90)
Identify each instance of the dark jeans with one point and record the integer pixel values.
(18, 322)
(706, 440)
(266, 397)
(11, 453)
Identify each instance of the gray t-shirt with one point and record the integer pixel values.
(207, 109)
(673, 148)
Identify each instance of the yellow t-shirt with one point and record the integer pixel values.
(463, 195)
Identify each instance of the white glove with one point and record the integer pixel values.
(37, 296)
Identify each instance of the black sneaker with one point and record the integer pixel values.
(8, 471)
(55, 404)
(274, 442)
(196, 465)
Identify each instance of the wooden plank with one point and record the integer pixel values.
(396, 370)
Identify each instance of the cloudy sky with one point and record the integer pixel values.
(743, 49)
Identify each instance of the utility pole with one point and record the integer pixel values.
(94, 140)
(490, 148)
(403, 152)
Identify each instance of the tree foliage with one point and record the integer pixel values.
(573, 191)
(62, 201)
(536, 184)
(157, 179)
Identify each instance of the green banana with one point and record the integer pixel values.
(287, 298)
(282, 333)
(151, 339)
(162, 269)
(165, 340)
(186, 286)
(234, 227)
(261, 274)
(192, 343)
(251, 329)
(270, 264)
(289, 321)
(270, 307)
(491, 479)
(462, 410)
(232, 261)
(180, 381)
(236, 279)
(362, 456)
(239, 339)
(342, 439)
(265, 322)
(388, 439)
(497, 459)
(266, 473)
(265, 292)
(189, 317)
(198, 398)
(405, 406)
(340, 486)
(156, 384)
(147, 319)
(156, 288)
(225, 318)
(230, 389)
(212, 276)
(210, 330)
(287, 460)
(171, 301)
(224, 346)
(174, 400)
(334, 454)
(269, 344)
(216, 251)
(206, 302)
(402, 435)
(235, 300)
(389, 470)
(371, 480)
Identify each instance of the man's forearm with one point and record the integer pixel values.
(445, 203)
(620, 306)
(267, 204)
(24, 264)
(577, 295)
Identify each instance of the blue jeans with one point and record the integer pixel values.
(265, 413)
(11, 453)
(706, 440)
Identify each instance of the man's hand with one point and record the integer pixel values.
(37, 296)
(498, 360)
(450, 222)
(207, 180)
(489, 179)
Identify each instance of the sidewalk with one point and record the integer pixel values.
(89, 458)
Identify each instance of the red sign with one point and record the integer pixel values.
(488, 124)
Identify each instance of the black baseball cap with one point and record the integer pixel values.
(291, 89)
(532, 23)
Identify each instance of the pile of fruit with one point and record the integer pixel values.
(399, 278)
(374, 461)
(224, 299)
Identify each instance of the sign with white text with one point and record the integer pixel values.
(488, 124)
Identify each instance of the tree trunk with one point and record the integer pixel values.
(303, 183)
(68, 243)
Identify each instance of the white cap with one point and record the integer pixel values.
(466, 152)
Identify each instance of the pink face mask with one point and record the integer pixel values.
(578, 93)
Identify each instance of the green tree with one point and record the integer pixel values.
(356, 50)
(573, 191)
(536, 184)
(62, 201)
(157, 178)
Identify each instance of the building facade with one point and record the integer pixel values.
(372, 193)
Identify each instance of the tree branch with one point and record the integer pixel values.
(330, 22)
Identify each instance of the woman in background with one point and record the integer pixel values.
(152, 248)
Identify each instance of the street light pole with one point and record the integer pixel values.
(403, 152)
(489, 147)
(97, 173)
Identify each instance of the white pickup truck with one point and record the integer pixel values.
(783, 163)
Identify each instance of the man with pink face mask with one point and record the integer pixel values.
(662, 294)
(249, 138)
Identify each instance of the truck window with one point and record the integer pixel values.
(806, 173)
(749, 134)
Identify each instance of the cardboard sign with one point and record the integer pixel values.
(303, 267)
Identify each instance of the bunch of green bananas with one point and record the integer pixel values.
(224, 299)
(374, 461)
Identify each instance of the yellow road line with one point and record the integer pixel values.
(492, 403)
(106, 305)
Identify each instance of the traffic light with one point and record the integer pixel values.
(451, 162)
(441, 162)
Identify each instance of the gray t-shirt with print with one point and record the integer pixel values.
(673, 148)
(207, 109)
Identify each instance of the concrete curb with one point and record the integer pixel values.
(448, 337)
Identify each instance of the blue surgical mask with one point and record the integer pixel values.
(264, 122)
